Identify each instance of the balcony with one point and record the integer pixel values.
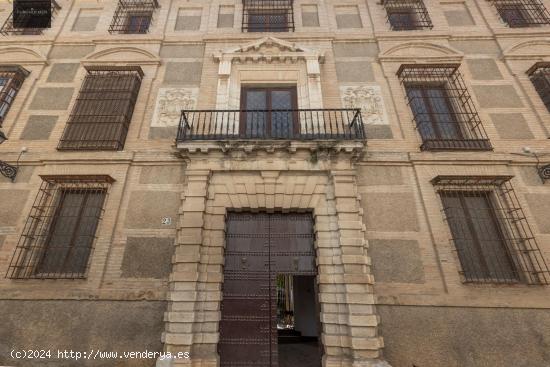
(276, 125)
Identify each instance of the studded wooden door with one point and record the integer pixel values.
(258, 247)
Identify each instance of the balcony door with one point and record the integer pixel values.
(269, 113)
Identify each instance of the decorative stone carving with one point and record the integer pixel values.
(269, 51)
(170, 102)
(369, 99)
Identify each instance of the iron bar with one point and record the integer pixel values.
(133, 16)
(540, 77)
(58, 236)
(275, 124)
(522, 13)
(407, 15)
(103, 110)
(11, 79)
(268, 16)
(490, 232)
(443, 111)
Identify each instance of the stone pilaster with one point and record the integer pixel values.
(364, 342)
(183, 314)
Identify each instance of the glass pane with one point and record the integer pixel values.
(420, 112)
(281, 121)
(267, 22)
(402, 19)
(3, 82)
(85, 233)
(72, 232)
(138, 23)
(443, 113)
(256, 121)
(514, 16)
(3, 109)
(61, 233)
(463, 238)
(257, 23)
(492, 243)
(541, 81)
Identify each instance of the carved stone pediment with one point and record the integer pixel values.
(268, 49)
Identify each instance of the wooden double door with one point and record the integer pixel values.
(259, 247)
(269, 112)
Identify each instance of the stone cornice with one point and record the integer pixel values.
(268, 49)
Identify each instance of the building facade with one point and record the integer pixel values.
(170, 167)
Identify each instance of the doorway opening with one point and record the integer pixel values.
(269, 310)
(297, 321)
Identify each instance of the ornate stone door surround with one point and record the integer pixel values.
(299, 177)
(269, 60)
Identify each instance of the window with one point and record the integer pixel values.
(11, 78)
(103, 109)
(442, 108)
(493, 240)
(133, 16)
(406, 15)
(59, 234)
(268, 16)
(540, 77)
(269, 112)
(8, 27)
(522, 13)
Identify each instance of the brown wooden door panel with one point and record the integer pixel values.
(260, 121)
(258, 247)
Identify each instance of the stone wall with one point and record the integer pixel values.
(80, 326)
(465, 337)
(412, 261)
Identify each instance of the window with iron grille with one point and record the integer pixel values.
(11, 78)
(540, 77)
(103, 109)
(8, 28)
(407, 15)
(443, 111)
(268, 16)
(493, 240)
(59, 234)
(133, 16)
(522, 13)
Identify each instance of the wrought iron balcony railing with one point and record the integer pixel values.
(287, 124)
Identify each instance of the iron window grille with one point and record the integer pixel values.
(407, 15)
(443, 110)
(60, 231)
(268, 16)
(491, 235)
(103, 109)
(11, 79)
(522, 13)
(133, 16)
(8, 27)
(540, 77)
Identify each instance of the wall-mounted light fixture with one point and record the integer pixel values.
(6, 169)
(542, 169)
